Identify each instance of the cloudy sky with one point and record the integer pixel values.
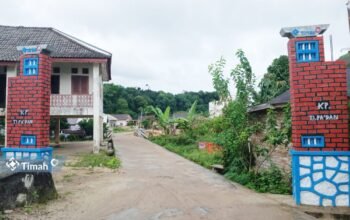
(169, 44)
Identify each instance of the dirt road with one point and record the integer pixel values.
(156, 184)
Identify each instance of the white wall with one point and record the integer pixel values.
(11, 71)
(215, 108)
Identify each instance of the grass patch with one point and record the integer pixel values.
(187, 149)
(272, 180)
(121, 129)
(97, 160)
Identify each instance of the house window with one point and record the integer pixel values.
(312, 141)
(55, 84)
(30, 66)
(75, 70)
(80, 85)
(85, 71)
(56, 70)
(307, 51)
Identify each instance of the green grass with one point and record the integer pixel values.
(272, 180)
(97, 160)
(191, 152)
(121, 129)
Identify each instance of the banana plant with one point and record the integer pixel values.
(186, 123)
(163, 118)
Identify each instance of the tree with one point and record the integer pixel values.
(137, 99)
(140, 102)
(235, 124)
(244, 79)
(88, 126)
(63, 123)
(275, 81)
(219, 82)
(123, 106)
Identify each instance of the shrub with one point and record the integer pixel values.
(88, 126)
(186, 147)
(272, 180)
(179, 140)
(73, 137)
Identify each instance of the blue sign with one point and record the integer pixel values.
(304, 31)
(34, 49)
(28, 140)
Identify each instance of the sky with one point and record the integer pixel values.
(168, 45)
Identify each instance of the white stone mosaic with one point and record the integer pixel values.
(325, 180)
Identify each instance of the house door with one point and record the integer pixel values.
(2, 90)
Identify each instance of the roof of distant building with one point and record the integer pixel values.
(60, 45)
(122, 117)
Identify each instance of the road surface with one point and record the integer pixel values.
(154, 183)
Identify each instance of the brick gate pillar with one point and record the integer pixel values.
(320, 133)
(28, 106)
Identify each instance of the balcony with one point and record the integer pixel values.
(71, 105)
(68, 105)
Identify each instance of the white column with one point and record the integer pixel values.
(97, 102)
(101, 108)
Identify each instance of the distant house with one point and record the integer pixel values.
(181, 114)
(275, 103)
(118, 120)
(78, 72)
(74, 123)
(215, 108)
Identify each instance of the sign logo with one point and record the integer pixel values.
(32, 165)
(306, 31)
(12, 164)
(33, 49)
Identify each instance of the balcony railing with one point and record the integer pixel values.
(71, 101)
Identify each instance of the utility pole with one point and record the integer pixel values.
(348, 6)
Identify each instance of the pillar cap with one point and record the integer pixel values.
(304, 31)
(32, 49)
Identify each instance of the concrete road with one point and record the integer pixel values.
(153, 184)
(161, 185)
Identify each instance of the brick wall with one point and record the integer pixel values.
(312, 82)
(31, 94)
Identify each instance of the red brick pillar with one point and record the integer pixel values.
(318, 99)
(28, 106)
(320, 132)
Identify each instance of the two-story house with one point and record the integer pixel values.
(79, 70)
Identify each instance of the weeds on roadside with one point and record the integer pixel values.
(187, 148)
(97, 160)
(272, 180)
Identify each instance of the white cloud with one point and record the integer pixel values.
(169, 44)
